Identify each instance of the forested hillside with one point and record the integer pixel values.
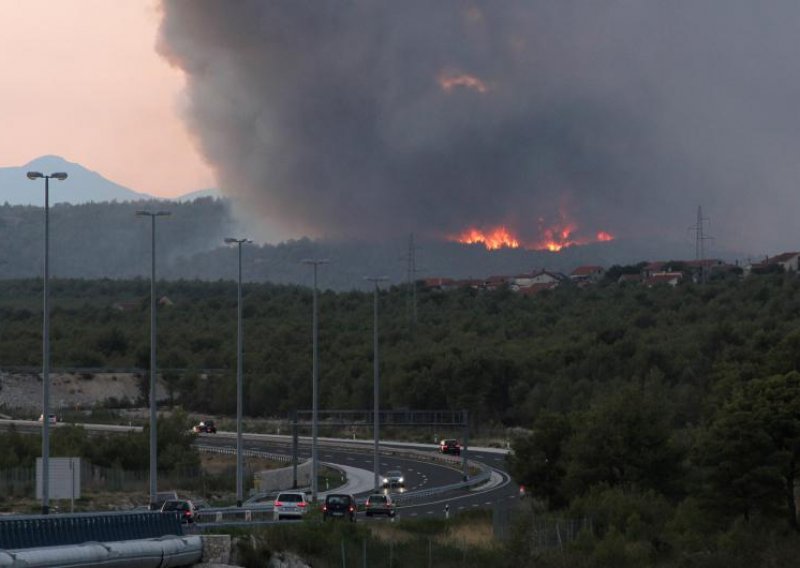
(503, 356)
(97, 240)
(107, 240)
(666, 420)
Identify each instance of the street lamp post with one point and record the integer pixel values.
(153, 410)
(60, 176)
(376, 381)
(315, 383)
(239, 387)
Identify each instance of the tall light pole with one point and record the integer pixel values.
(376, 385)
(153, 410)
(60, 176)
(315, 383)
(239, 388)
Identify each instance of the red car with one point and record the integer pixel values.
(450, 447)
(205, 427)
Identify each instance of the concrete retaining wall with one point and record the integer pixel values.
(282, 478)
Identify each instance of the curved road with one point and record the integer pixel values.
(419, 475)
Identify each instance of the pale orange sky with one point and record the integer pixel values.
(81, 79)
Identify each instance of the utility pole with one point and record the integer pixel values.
(376, 280)
(411, 277)
(239, 374)
(699, 246)
(153, 215)
(315, 264)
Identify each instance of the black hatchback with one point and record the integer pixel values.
(339, 506)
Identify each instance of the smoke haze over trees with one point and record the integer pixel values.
(107, 240)
(377, 119)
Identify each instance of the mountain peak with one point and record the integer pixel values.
(50, 161)
(81, 186)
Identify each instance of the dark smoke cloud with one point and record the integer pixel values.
(329, 118)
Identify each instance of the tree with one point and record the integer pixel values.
(537, 461)
(752, 449)
(623, 440)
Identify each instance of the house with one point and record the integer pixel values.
(629, 278)
(669, 278)
(788, 261)
(587, 274)
(534, 289)
(438, 283)
(541, 277)
(653, 268)
(496, 282)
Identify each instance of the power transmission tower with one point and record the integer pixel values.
(411, 277)
(700, 243)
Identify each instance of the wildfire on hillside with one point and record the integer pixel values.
(493, 239)
(553, 238)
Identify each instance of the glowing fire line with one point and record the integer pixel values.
(553, 239)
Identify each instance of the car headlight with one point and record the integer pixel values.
(385, 480)
(400, 480)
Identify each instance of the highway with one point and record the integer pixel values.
(420, 474)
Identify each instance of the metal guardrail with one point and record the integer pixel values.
(249, 453)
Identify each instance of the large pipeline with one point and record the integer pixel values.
(159, 552)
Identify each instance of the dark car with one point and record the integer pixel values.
(183, 507)
(205, 427)
(339, 506)
(380, 504)
(450, 447)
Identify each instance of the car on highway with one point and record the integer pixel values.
(289, 505)
(380, 504)
(51, 420)
(339, 506)
(205, 427)
(183, 507)
(450, 446)
(393, 478)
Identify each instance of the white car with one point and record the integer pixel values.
(393, 478)
(289, 505)
(52, 420)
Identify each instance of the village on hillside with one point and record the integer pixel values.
(669, 273)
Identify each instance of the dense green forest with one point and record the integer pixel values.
(503, 356)
(668, 417)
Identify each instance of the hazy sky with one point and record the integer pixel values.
(82, 79)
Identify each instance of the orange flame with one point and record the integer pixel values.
(553, 238)
(496, 238)
(448, 82)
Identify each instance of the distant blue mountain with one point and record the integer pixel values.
(82, 185)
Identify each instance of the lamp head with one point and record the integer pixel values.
(35, 175)
(60, 176)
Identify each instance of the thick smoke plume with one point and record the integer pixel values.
(365, 118)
